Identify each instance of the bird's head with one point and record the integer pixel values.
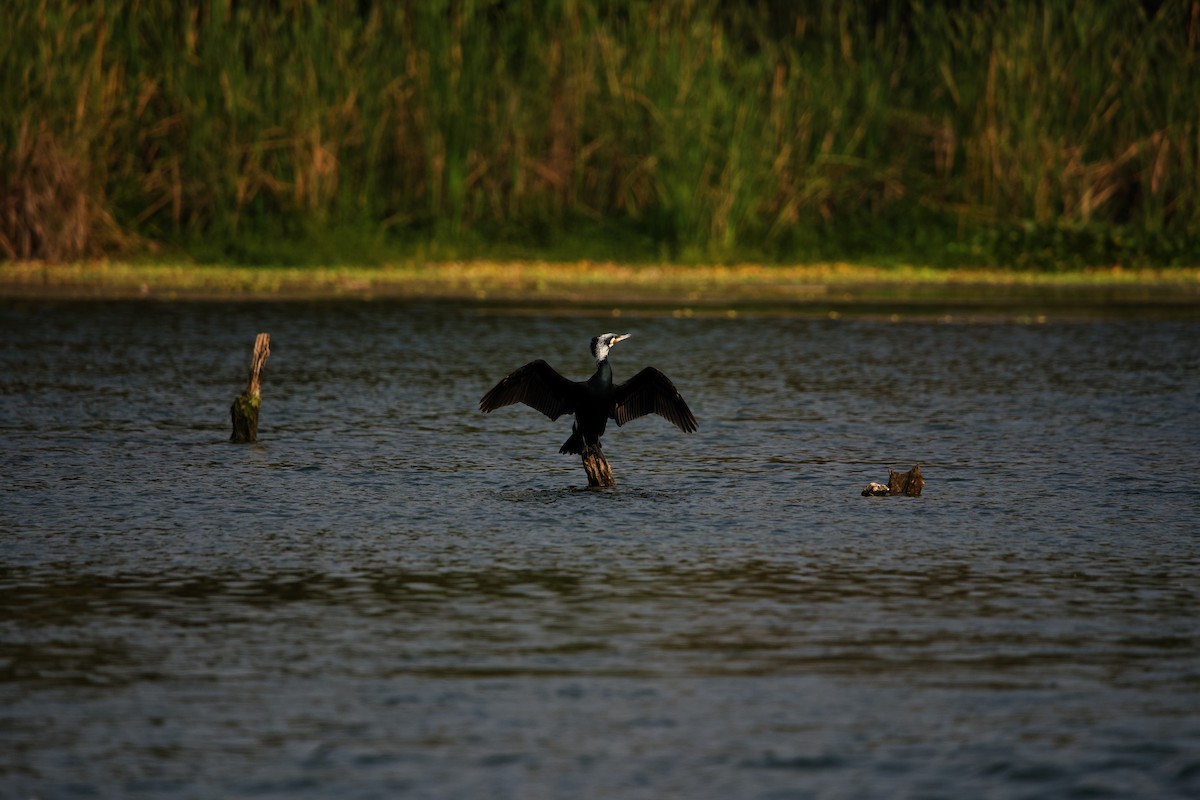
(603, 343)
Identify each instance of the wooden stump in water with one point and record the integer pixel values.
(596, 465)
(908, 483)
(244, 410)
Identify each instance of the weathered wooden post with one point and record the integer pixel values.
(244, 410)
(596, 465)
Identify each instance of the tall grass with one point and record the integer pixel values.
(1021, 133)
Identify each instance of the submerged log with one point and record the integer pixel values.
(907, 483)
(244, 410)
(599, 473)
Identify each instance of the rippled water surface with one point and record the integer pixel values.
(392, 595)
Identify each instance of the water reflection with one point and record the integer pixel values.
(940, 623)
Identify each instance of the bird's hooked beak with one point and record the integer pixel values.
(619, 338)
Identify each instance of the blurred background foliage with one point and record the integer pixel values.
(1022, 134)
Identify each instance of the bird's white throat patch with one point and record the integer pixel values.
(603, 343)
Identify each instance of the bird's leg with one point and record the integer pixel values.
(599, 473)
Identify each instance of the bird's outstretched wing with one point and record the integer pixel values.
(537, 385)
(651, 392)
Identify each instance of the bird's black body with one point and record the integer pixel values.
(594, 401)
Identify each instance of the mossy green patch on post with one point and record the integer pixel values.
(244, 413)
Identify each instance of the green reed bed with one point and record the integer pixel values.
(1023, 134)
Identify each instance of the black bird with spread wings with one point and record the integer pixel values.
(594, 401)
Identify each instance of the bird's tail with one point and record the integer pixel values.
(574, 444)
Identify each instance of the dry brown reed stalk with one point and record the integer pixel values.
(49, 209)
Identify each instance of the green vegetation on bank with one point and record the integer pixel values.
(1031, 135)
(607, 286)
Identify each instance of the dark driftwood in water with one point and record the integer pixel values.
(907, 483)
(244, 410)
(599, 473)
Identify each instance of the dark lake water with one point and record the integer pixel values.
(392, 595)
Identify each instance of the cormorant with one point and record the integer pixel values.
(594, 401)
